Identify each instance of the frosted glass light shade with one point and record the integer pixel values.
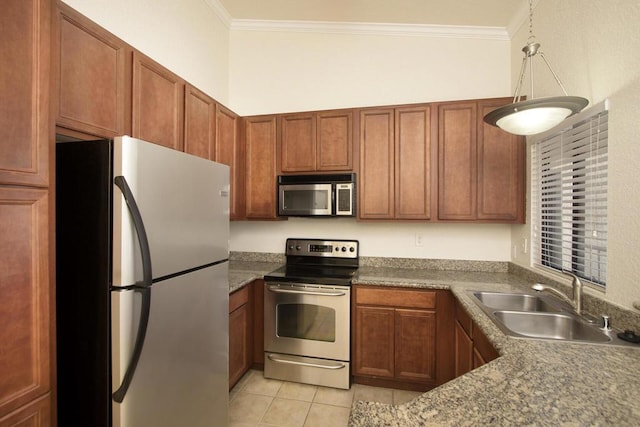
(535, 115)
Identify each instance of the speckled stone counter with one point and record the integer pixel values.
(533, 383)
(242, 273)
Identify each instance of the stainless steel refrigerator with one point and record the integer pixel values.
(142, 291)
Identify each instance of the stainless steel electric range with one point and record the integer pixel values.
(307, 318)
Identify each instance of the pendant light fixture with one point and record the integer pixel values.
(534, 115)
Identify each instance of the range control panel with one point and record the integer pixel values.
(322, 248)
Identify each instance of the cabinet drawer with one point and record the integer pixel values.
(238, 298)
(396, 298)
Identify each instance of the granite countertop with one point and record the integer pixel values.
(534, 382)
(241, 273)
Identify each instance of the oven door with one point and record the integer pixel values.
(307, 320)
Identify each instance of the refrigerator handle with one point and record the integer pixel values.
(147, 277)
(143, 287)
(120, 393)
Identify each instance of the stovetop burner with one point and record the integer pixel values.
(318, 261)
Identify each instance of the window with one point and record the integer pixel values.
(569, 196)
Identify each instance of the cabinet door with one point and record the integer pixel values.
(239, 335)
(93, 68)
(501, 170)
(415, 345)
(298, 142)
(260, 146)
(35, 414)
(334, 150)
(229, 152)
(199, 123)
(376, 186)
(374, 343)
(158, 100)
(463, 351)
(24, 296)
(413, 163)
(457, 172)
(24, 90)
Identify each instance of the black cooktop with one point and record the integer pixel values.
(318, 261)
(325, 275)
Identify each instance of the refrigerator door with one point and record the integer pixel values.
(184, 204)
(182, 376)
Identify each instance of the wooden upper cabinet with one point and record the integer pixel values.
(481, 168)
(501, 169)
(457, 173)
(334, 130)
(199, 123)
(316, 142)
(376, 181)
(25, 129)
(298, 142)
(93, 71)
(260, 167)
(25, 297)
(229, 152)
(396, 163)
(414, 162)
(158, 100)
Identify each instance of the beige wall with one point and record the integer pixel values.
(283, 70)
(186, 36)
(593, 46)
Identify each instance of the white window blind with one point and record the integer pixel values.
(569, 197)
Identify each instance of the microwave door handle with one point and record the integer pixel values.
(277, 290)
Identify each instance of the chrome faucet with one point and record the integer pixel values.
(576, 302)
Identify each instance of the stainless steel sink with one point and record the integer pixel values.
(556, 326)
(514, 302)
(535, 316)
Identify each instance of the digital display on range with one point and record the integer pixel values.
(320, 248)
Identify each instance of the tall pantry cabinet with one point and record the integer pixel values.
(26, 212)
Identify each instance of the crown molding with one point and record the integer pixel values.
(220, 11)
(436, 31)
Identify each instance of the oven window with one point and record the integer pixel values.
(306, 321)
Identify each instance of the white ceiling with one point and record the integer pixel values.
(483, 13)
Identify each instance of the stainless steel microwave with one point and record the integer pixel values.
(317, 195)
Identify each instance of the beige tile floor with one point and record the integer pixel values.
(256, 401)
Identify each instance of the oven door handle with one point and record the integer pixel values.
(278, 290)
(336, 365)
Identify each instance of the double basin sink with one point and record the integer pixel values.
(540, 316)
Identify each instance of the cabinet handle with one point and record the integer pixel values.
(313, 365)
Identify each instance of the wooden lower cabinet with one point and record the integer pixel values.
(472, 348)
(25, 296)
(240, 334)
(246, 330)
(35, 414)
(402, 337)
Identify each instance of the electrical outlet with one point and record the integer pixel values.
(419, 239)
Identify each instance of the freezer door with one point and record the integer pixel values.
(184, 204)
(182, 376)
